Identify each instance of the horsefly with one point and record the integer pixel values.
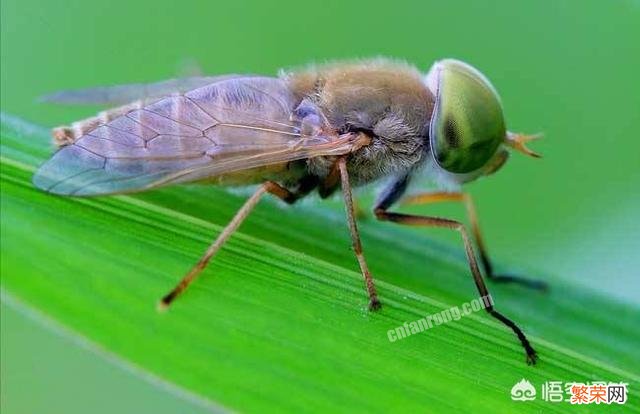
(322, 128)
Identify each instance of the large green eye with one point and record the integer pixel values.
(467, 124)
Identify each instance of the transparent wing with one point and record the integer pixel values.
(230, 125)
(122, 94)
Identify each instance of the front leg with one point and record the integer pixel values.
(392, 195)
(426, 198)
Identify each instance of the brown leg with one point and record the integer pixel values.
(465, 198)
(330, 182)
(236, 221)
(374, 302)
(473, 265)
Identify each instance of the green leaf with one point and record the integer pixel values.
(278, 321)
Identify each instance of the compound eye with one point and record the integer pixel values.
(467, 125)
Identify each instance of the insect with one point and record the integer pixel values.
(320, 129)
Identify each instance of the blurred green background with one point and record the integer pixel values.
(566, 68)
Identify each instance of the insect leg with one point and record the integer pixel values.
(330, 182)
(383, 214)
(374, 302)
(236, 221)
(465, 198)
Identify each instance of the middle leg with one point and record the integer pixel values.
(374, 302)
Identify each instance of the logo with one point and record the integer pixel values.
(594, 392)
(523, 391)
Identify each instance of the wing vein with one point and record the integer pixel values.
(282, 105)
(171, 119)
(201, 108)
(71, 177)
(111, 140)
(253, 117)
(256, 128)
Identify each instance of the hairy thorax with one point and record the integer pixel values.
(388, 101)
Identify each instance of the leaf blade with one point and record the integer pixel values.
(280, 309)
